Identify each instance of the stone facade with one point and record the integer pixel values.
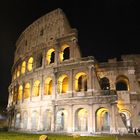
(54, 89)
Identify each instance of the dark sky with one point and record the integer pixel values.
(106, 28)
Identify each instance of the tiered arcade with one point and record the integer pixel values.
(54, 89)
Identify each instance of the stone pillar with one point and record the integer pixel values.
(31, 89)
(90, 119)
(23, 85)
(71, 84)
(112, 119)
(54, 95)
(90, 81)
(70, 119)
(29, 125)
(42, 87)
(94, 120)
(53, 117)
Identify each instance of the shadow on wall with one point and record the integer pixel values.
(3, 123)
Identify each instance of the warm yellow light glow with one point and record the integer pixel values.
(30, 64)
(49, 55)
(27, 91)
(14, 75)
(18, 71)
(82, 113)
(15, 94)
(80, 81)
(63, 84)
(120, 104)
(48, 86)
(23, 67)
(61, 55)
(100, 117)
(36, 88)
(20, 91)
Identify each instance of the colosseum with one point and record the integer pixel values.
(55, 89)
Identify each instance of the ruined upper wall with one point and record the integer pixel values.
(43, 31)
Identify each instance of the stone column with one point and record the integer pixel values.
(90, 81)
(53, 117)
(71, 83)
(29, 125)
(42, 87)
(94, 120)
(31, 89)
(54, 96)
(90, 119)
(70, 119)
(112, 119)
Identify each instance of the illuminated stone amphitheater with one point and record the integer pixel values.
(54, 89)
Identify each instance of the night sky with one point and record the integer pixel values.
(106, 29)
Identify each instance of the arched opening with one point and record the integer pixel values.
(81, 120)
(126, 118)
(18, 119)
(139, 117)
(104, 83)
(14, 74)
(102, 120)
(48, 86)
(27, 91)
(61, 120)
(18, 71)
(63, 84)
(34, 120)
(25, 120)
(23, 67)
(30, 64)
(47, 120)
(20, 92)
(36, 88)
(81, 82)
(39, 60)
(122, 83)
(65, 52)
(50, 57)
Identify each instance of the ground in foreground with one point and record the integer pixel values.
(22, 136)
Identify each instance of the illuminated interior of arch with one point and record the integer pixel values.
(20, 91)
(102, 119)
(14, 74)
(18, 71)
(36, 88)
(61, 120)
(30, 64)
(50, 56)
(63, 84)
(48, 86)
(126, 117)
(122, 83)
(27, 91)
(63, 47)
(82, 119)
(81, 82)
(23, 67)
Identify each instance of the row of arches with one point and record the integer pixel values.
(81, 118)
(27, 66)
(63, 82)
(122, 83)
